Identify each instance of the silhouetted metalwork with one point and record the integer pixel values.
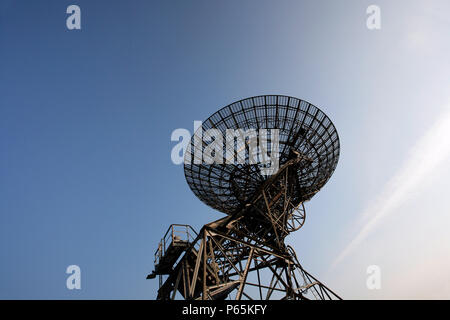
(243, 255)
(303, 130)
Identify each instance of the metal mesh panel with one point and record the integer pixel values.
(303, 129)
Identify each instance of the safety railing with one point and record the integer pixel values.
(176, 233)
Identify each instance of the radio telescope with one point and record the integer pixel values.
(257, 160)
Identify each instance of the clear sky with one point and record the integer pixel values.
(86, 117)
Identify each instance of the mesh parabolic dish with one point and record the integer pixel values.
(303, 129)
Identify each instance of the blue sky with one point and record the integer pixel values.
(86, 118)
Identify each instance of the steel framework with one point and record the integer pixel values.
(244, 255)
(303, 129)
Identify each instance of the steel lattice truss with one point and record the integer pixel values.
(223, 266)
(244, 255)
(303, 130)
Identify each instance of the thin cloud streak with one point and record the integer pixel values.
(426, 155)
